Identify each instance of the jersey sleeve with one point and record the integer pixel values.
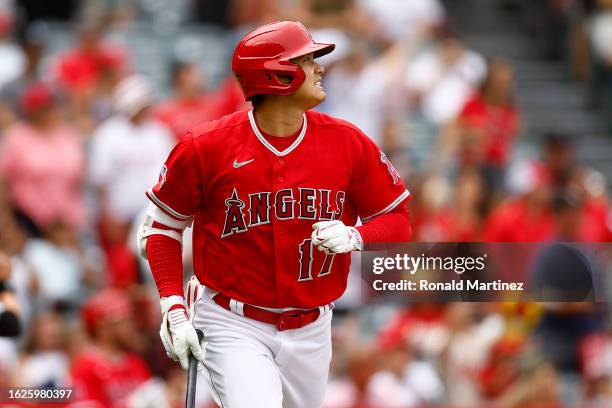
(179, 190)
(376, 186)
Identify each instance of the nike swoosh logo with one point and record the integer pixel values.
(244, 163)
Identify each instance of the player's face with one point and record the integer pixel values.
(311, 92)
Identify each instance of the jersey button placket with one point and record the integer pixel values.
(278, 175)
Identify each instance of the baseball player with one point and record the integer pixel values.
(273, 194)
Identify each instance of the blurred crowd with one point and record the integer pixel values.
(83, 135)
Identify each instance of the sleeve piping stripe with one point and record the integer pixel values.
(391, 206)
(166, 208)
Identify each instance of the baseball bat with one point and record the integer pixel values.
(192, 375)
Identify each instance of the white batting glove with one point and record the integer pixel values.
(177, 333)
(333, 237)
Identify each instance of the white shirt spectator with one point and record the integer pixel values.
(126, 160)
(340, 393)
(601, 35)
(385, 390)
(359, 97)
(404, 19)
(57, 270)
(422, 378)
(13, 63)
(44, 369)
(444, 89)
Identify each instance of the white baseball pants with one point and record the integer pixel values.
(250, 364)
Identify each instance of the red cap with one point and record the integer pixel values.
(35, 97)
(108, 305)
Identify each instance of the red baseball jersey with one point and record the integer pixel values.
(253, 206)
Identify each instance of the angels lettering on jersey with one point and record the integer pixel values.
(251, 210)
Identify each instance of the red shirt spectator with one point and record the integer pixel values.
(228, 98)
(108, 372)
(514, 221)
(499, 125)
(596, 223)
(529, 217)
(192, 106)
(107, 379)
(493, 113)
(81, 68)
(42, 161)
(180, 115)
(587, 221)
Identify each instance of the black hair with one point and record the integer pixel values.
(257, 100)
(557, 140)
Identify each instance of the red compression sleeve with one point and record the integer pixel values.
(393, 226)
(166, 261)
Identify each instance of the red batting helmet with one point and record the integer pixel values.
(267, 52)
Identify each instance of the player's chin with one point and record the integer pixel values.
(319, 95)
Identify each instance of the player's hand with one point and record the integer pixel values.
(177, 333)
(333, 237)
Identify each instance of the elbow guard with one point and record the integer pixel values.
(149, 226)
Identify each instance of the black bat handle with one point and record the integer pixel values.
(192, 375)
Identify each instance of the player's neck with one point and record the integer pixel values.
(276, 120)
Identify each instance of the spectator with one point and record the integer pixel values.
(32, 44)
(12, 242)
(190, 105)
(228, 98)
(577, 320)
(471, 337)
(63, 273)
(596, 366)
(528, 217)
(581, 205)
(492, 115)
(126, 157)
(351, 390)
(600, 34)
(80, 68)
(9, 309)
(502, 367)
(462, 218)
(42, 161)
(88, 73)
(364, 90)
(45, 361)
(108, 371)
(13, 60)
(409, 21)
(402, 380)
(442, 79)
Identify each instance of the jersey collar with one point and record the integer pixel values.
(268, 145)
